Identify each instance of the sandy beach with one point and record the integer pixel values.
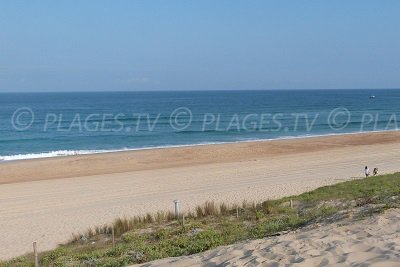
(46, 200)
(371, 242)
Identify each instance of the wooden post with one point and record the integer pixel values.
(113, 236)
(291, 203)
(177, 211)
(35, 253)
(237, 212)
(183, 220)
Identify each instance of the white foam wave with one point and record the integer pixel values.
(59, 153)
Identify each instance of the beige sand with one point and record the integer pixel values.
(371, 242)
(38, 204)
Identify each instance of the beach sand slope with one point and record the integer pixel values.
(371, 242)
(46, 200)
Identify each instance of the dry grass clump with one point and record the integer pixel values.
(124, 224)
(208, 209)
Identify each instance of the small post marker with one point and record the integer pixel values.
(291, 203)
(183, 220)
(177, 211)
(35, 253)
(113, 236)
(237, 212)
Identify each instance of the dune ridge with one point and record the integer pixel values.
(374, 241)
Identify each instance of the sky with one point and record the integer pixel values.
(198, 45)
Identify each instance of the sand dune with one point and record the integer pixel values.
(49, 210)
(371, 242)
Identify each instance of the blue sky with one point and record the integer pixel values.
(198, 45)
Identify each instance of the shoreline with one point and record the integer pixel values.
(36, 169)
(86, 152)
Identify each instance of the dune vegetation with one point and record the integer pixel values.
(153, 236)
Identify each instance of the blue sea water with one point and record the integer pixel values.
(54, 124)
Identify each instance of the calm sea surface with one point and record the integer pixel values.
(54, 124)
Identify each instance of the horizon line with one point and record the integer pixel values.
(205, 90)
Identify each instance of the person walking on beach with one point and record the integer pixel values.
(366, 171)
(375, 171)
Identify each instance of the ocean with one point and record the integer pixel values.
(35, 125)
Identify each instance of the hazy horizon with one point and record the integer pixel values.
(205, 90)
(184, 46)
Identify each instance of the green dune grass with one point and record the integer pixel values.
(160, 235)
